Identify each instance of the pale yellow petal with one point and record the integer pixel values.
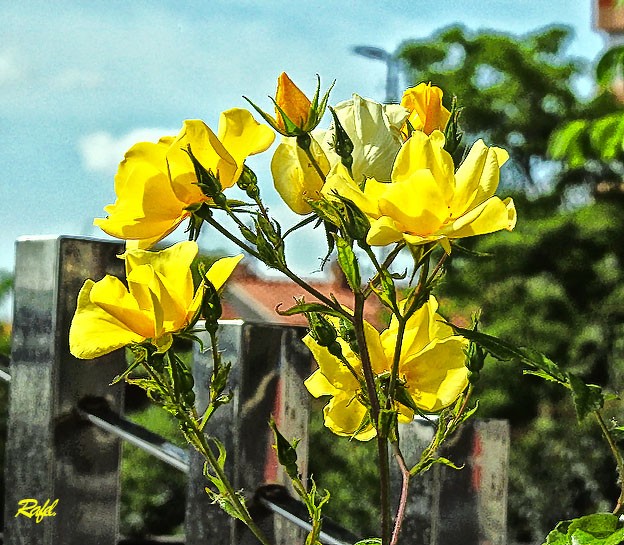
(173, 263)
(426, 152)
(344, 415)
(339, 181)
(242, 135)
(331, 367)
(294, 176)
(206, 148)
(318, 385)
(437, 375)
(477, 177)
(146, 207)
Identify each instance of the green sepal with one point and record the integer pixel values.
(303, 307)
(211, 306)
(452, 133)
(348, 263)
(343, 145)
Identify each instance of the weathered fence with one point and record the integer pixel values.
(66, 426)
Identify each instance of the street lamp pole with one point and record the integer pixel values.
(392, 69)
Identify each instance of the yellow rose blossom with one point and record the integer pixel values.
(427, 201)
(431, 366)
(427, 113)
(156, 183)
(159, 300)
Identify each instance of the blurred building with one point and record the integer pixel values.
(254, 297)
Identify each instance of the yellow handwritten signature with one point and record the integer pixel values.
(30, 508)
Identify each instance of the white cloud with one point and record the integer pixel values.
(101, 151)
(10, 69)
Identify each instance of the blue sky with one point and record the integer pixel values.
(81, 81)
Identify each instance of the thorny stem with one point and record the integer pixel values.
(382, 442)
(405, 474)
(619, 507)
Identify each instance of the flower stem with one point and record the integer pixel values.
(382, 442)
(405, 474)
(619, 507)
(308, 151)
(198, 439)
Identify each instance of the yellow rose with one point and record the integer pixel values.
(426, 201)
(159, 300)
(431, 366)
(156, 183)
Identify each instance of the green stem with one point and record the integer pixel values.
(382, 442)
(283, 269)
(619, 507)
(232, 238)
(396, 360)
(313, 160)
(203, 447)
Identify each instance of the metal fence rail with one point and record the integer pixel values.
(66, 426)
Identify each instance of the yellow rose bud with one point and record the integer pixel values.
(426, 110)
(290, 100)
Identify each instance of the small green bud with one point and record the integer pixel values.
(343, 146)
(322, 330)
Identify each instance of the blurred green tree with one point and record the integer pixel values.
(555, 283)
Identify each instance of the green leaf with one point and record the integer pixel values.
(595, 529)
(587, 397)
(369, 541)
(505, 351)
